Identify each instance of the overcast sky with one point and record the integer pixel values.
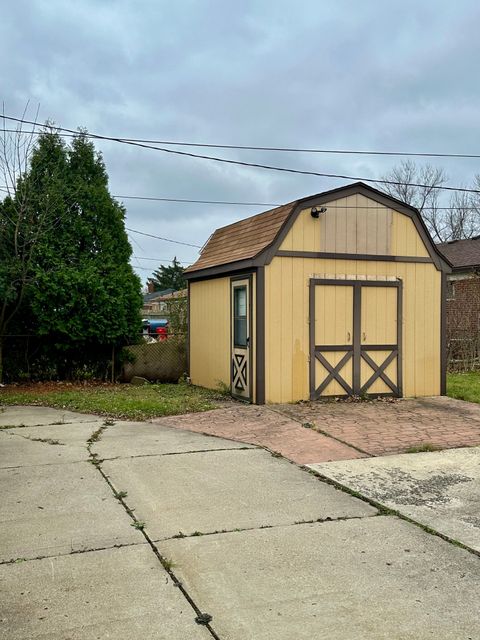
(396, 75)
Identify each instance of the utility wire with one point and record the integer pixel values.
(250, 164)
(241, 147)
(161, 259)
(150, 235)
(264, 204)
(185, 200)
(147, 268)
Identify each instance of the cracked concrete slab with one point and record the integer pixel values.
(49, 444)
(205, 492)
(439, 489)
(56, 509)
(120, 593)
(31, 416)
(125, 439)
(368, 579)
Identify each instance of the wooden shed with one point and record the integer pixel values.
(337, 294)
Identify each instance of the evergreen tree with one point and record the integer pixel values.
(169, 277)
(86, 297)
(25, 218)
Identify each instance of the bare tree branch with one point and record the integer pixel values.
(461, 219)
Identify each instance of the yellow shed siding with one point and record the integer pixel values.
(355, 224)
(287, 321)
(210, 332)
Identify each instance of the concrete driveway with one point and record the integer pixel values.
(439, 489)
(139, 530)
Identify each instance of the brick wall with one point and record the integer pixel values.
(463, 321)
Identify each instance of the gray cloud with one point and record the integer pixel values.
(399, 75)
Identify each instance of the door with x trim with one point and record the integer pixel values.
(355, 338)
(240, 335)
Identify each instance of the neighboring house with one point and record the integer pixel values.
(463, 301)
(154, 304)
(337, 294)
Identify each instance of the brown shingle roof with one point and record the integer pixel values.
(244, 239)
(462, 254)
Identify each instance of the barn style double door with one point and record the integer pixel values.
(355, 338)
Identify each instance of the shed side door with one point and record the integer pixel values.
(240, 335)
(332, 352)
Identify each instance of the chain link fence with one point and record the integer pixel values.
(155, 356)
(161, 359)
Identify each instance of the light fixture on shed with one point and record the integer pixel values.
(316, 212)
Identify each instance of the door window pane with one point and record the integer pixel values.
(240, 316)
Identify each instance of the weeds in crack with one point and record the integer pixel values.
(14, 561)
(119, 495)
(96, 435)
(138, 524)
(46, 440)
(203, 618)
(168, 564)
(421, 448)
(308, 425)
(94, 459)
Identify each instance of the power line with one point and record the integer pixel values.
(241, 147)
(146, 268)
(150, 235)
(252, 164)
(161, 259)
(187, 201)
(265, 204)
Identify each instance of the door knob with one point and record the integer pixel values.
(364, 336)
(348, 336)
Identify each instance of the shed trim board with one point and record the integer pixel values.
(188, 328)
(443, 336)
(351, 256)
(356, 350)
(260, 337)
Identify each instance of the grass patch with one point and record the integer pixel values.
(123, 401)
(464, 386)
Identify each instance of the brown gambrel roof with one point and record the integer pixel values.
(252, 242)
(462, 254)
(244, 239)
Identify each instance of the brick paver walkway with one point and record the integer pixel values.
(267, 428)
(348, 429)
(381, 428)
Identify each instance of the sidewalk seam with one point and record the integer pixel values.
(201, 617)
